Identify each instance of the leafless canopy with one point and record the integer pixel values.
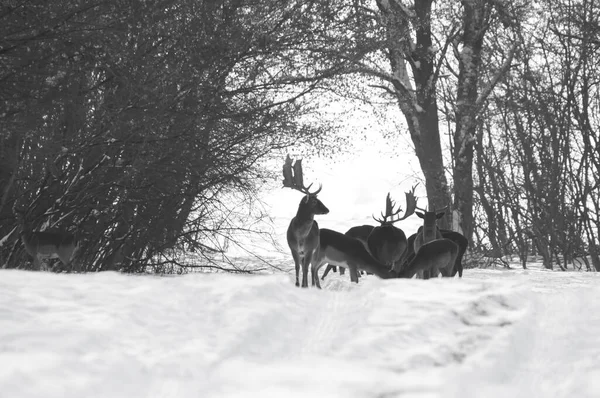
(293, 177)
(411, 205)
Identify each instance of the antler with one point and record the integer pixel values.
(293, 177)
(389, 210)
(411, 205)
(288, 175)
(434, 210)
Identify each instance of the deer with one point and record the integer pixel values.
(387, 242)
(303, 232)
(429, 233)
(360, 232)
(463, 244)
(454, 236)
(49, 244)
(337, 248)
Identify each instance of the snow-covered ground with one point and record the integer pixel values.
(494, 333)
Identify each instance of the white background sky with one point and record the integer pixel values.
(357, 180)
(354, 187)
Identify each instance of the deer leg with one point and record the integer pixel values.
(353, 273)
(37, 263)
(305, 263)
(66, 257)
(297, 263)
(342, 270)
(66, 264)
(315, 266)
(329, 268)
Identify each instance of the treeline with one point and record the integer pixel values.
(134, 122)
(538, 141)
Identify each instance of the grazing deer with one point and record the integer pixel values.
(454, 236)
(429, 233)
(49, 244)
(386, 242)
(339, 249)
(303, 232)
(360, 232)
(345, 251)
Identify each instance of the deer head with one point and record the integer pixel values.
(430, 229)
(45, 244)
(411, 205)
(50, 243)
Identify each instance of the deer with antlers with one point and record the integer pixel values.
(384, 250)
(428, 236)
(342, 250)
(303, 232)
(387, 242)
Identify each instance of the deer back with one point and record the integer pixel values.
(340, 249)
(361, 232)
(387, 243)
(47, 243)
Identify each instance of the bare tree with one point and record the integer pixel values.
(134, 124)
(540, 134)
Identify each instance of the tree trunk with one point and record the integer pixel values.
(418, 103)
(475, 17)
(429, 152)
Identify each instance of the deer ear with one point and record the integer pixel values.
(440, 215)
(419, 214)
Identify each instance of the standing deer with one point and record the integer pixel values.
(427, 235)
(386, 242)
(303, 232)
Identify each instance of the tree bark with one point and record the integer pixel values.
(419, 103)
(475, 18)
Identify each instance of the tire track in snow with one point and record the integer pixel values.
(551, 352)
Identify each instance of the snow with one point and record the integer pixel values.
(494, 333)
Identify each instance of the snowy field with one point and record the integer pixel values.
(495, 333)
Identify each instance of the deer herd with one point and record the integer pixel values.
(383, 250)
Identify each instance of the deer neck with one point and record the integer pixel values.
(430, 232)
(305, 218)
